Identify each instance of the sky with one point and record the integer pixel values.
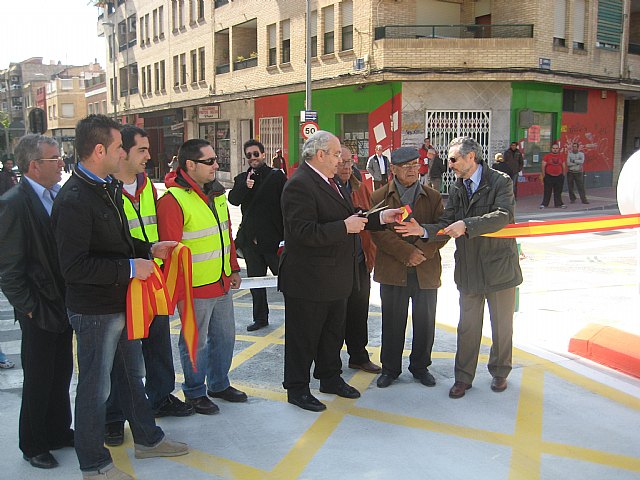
(64, 30)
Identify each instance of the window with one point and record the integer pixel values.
(104, 106)
(183, 69)
(286, 41)
(559, 23)
(112, 39)
(141, 30)
(355, 132)
(203, 68)
(328, 29)
(162, 85)
(609, 24)
(67, 110)
(113, 85)
(148, 78)
(193, 11)
(133, 78)
(161, 21)
(314, 33)
(347, 25)
(4, 107)
(66, 83)
(122, 35)
(194, 66)
(156, 70)
(146, 27)
(90, 109)
(132, 37)
(55, 114)
(271, 34)
(271, 134)
(218, 134)
(200, 9)
(144, 80)
(174, 14)
(155, 24)
(182, 14)
(574, 100)
(578, 24)
(176, 70)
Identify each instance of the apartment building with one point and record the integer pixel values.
(383, 71)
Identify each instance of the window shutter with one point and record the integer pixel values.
(578, 21)
(347, 13)
(314, 23)
(560, 19)
(610, 17)
(328, 19)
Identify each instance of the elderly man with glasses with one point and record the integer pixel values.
(31, 280)
(407, 268)
(487, 269)
(258, 192)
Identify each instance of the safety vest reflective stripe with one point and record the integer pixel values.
(146, 221)
(206, 233)
(203, 257)
(215, 230)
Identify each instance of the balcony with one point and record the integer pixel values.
(224, 68)
(248, 63)
(454, 31)
(634, 48)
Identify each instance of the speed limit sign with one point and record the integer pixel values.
(309, 128)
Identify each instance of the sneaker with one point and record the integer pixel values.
(202, 405)
(174, 407)
(114, 434)
(541, 207)
(112, 474)
(6, 364)
(166, 448)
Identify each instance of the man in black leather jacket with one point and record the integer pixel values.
(30, 279)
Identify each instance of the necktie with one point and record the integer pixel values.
(333, 184)
(467, 184)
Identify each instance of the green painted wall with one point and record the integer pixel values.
(331, 103)
(539, 97)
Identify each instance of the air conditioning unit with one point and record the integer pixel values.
(359, 64)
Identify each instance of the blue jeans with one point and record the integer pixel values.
(103, 346)
(158, 362)
(216, 339)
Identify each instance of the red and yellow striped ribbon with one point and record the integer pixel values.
(568, 227)
(146, 299)
(177, 273)
(158, 295)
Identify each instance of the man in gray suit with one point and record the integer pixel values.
(378, 168)
(487, 269)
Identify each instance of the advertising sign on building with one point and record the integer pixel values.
(208, 112)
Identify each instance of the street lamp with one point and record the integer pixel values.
(112, 44)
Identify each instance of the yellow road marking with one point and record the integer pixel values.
(221, 467)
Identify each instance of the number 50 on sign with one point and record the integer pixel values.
(309, 128)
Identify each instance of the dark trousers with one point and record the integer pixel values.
(578, 179)
(395, 306)
(314, 332)
(554, 184)
(514, 179)
(160, 377)
(382, 183)
(47, 364)
(356, 335)
(257, 264)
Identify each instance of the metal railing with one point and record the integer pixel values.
(224, 68)
(454, 31)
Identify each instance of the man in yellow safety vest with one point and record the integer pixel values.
(194, 211)
(139, 198)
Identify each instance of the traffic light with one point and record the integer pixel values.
(37, 121)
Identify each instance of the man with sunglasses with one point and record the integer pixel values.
(194, 211)
(408, 268)
(98, 258)
(258, 192)
(31, 280)
(486, 269)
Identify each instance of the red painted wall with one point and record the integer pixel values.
(381, 129)
(594, 130)
(274, 106)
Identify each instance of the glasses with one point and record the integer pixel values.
(336, 154)
(410, 165)
(54, 159)
(254, 154)
(206, 161)
(347, 163)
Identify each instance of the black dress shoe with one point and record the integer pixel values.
(306, 401)
(425, 378)
(44, 460)
(257, 326)
(229, 394)
(114, 434)
(499, 384)
(174, 407)
(343, 390)
(367, 366)
(384, 380)
(203, 405)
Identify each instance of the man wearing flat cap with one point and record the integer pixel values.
(407, 268)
